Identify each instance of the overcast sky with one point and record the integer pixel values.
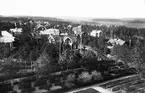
(75, 8)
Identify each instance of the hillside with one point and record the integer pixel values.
(128, 22)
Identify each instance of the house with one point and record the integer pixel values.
(116, 41)
(69, 26)
(66, 40)
(16, 30)
(6, 37)
(70, 39)
(55, 38)
(40, 27)
(77, 30)
(113, 42)
(95, 33)
(64, 34)
(50, 31)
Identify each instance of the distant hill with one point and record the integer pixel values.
(37, 18)
(11, 18)
(108, 22)
(128, 22)
(105, 19)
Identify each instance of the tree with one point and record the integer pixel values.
(87, 58)
(69, 58)
(101, 43)
(136, 58)
(122, 52)
(10, 67)
(43, 64)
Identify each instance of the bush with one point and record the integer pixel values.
(69, 85)
(5, 89)
(40, 82)
(14, 92)
(29, 90)
(84, 77)
(16, 82)
(69, 59)
(24, 85)
(28, 80)
(70, 78)
(96, 75)
(44, 64)
(47, 87)
(62, 80)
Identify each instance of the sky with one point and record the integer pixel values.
(74, 8)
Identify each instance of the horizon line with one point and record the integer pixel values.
(71, 17)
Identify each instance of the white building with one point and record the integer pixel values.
(64, 34)
(69, 26)
(6, 37)
(77, 30)
(95, 33)
(116, 41)
(50, 32)
(16, 30)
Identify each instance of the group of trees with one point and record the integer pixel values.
(132, 52)
(30, 48)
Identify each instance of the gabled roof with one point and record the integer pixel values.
(6, 37)
(73, 38)
(6, 34)
(116, 41)
(60, 37)
(56, 37)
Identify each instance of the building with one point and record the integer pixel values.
(77, 30)
(55, 38)
(95, 33)
(16, 30)
(6, 37)
(50, 31)
(116, 41)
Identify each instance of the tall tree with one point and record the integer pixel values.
(136, 56)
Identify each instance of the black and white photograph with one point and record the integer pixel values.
(72, 46)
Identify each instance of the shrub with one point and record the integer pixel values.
(5, 89)
(16, 82)
(28, 80)
(40, 82)
(24, 85)
(29, 90)
(14, 92)
(84, 77)
(70, 78)
(48, 82)
(68, 85)
(47, 87)
(96, 75)
(62, 80)
(43, 64)
(69, 59)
